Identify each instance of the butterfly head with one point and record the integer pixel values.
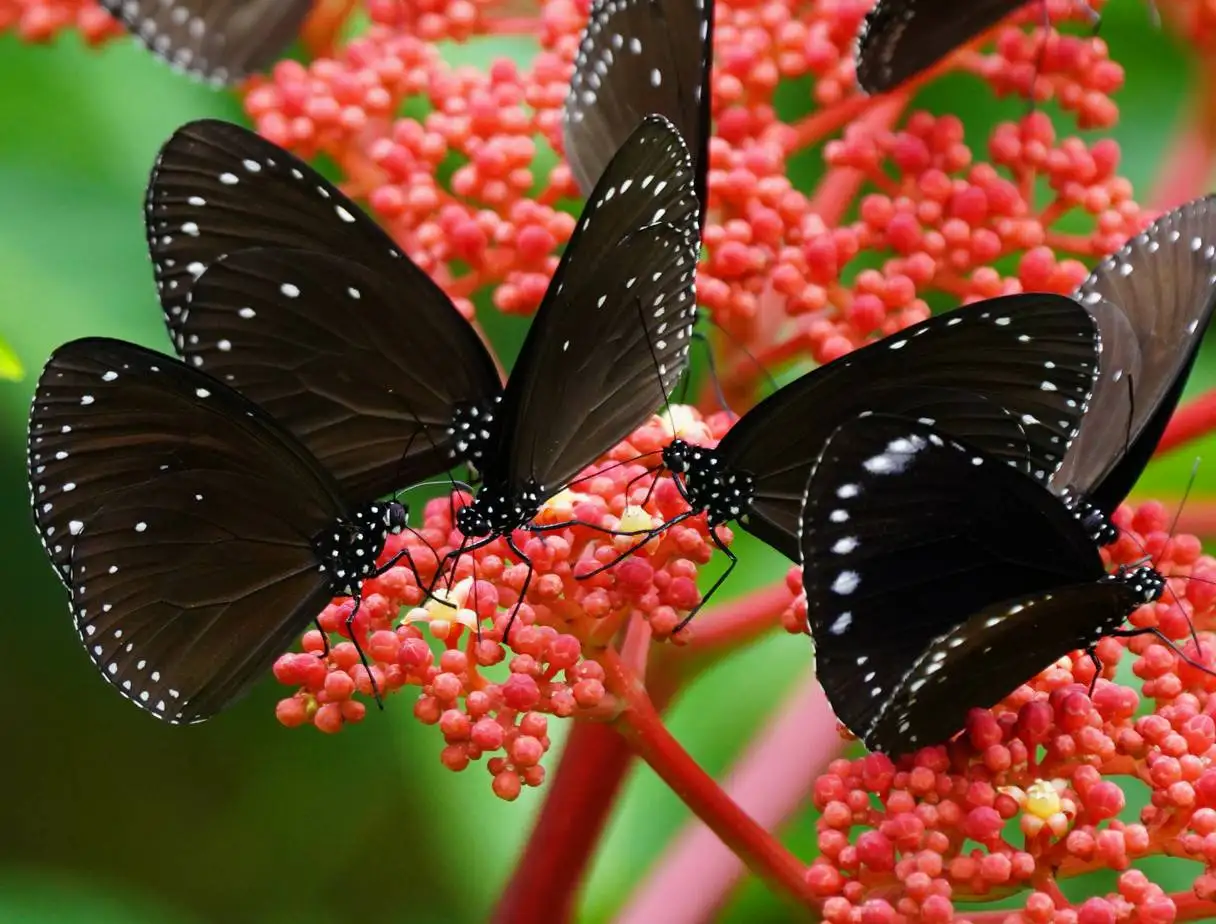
(396, 517)
(677, 456)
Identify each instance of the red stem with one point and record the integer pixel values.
(640, 723)
(1195, 419)
(733, 624)
(770, 782)
(1192, 153)
(581, 796)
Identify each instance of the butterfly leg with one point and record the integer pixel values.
(1097, 663)
(713, 535)
(1169, 643)
(523, 591)
(350, 631)
(650, 534)
(324, 639)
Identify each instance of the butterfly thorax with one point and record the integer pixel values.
(1145, 581)
(348, 550)
(498, 512)
(470, 430)
(709, 485)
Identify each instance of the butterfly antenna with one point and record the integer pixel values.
(1190, 483)
(742, 348)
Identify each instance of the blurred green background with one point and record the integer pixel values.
(110, 816)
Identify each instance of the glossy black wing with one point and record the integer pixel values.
(638, 57)
(186, 589)
(1164, 283)
(182, 520)
(222, 40)
(108, 416)
(611, 337)
(1034, 356)
(906, 535)
(218, 188)
(983, 660)
(364, 372)
(900, 38)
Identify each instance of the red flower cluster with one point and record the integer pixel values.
(490, 698)
(938, 828)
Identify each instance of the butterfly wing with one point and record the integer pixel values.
(218, 188)
(1164, 282)
(109, 416)
(983, 660)
(611, 337)
(637, 57)
(222, 40)
(1033, 356)
(182, 520)
(900, 38)
(364, 373)
(906, 534)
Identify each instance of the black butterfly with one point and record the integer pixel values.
(314, 312)
(901, 38)
(221, 40)
(1153, 300)
(1011, 374)
(638, 57)
(938, 579)
(196, 536)
(621, 303)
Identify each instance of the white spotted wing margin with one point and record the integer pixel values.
(366, 369)
(909, 537)
(635, 58)
(182, 519)
(219, 40)
(1153, 300)
(623, 299)
(218, 188)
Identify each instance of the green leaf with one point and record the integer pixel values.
(10, 365)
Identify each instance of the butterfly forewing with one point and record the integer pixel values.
(365, 373)
(108, 415)
(218, 188)
(1164, 283)
(983, 660)
(639, 57)
(184, 634)
(900, 38)
(222, 40)
(1033, 356)
(611, 336)
(906, 534)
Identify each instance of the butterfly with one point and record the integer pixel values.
(901, 38)
(939, 579)
(1011, 374)
(635, 58)
(1153, 300)
(220, 40)
(621, 303)
(279, 285)
(197, 538)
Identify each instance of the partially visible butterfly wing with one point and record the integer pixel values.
(983, 660)
(900, 38)
(365, 373)
(905, 535)
(1034, 356)
(187, 588)
(222, 40)
(1164, 280)
(108, 416)
(621, 303)
(603, 364)
(638, 57)
(218, 188)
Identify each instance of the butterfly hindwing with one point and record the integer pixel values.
(364, 373)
